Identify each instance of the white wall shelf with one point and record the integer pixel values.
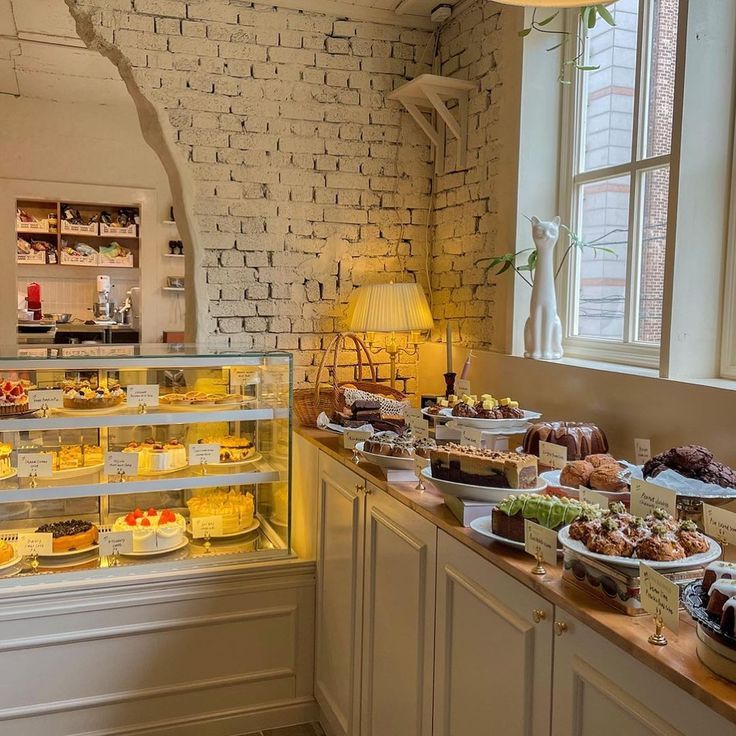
(173, 255)
(429, 93)
(173, 288)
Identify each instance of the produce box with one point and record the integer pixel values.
(74, 229)
(131, 231)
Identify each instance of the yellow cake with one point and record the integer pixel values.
(69, 457)
(6, 552)
(236, 509)
(232, 449)
(5, 451)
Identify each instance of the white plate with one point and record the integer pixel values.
(491, 424)
(494, 431)
(699, 560)
(205, 407)
(155, 552)
(252, 459)
(13, 472)
(478, 493)
(255, 525)
(386, 461)
(156, 473)
(77, 472)
(70, 553)
(553, 479)
(482, 525)
(11, 562)
(436, 417)
(90, 412)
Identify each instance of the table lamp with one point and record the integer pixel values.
(391, 308)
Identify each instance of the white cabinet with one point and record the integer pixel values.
(599, 690)
(398, 620)
(493, 666)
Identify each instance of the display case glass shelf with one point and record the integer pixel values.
(131, 455)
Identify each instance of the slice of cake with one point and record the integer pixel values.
(478, 467)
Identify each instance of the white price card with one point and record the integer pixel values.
(443, 432)
(38, 464)
(659, 596)
(410, 413)
(462, 387)
(419, 464)
(419, 428)
(645, 497)
(116, 542)
(642, 451)
(144, 394)
(36, 543)
(51, 398)
(538, 540)
(206, 526)
(121, 463)
(471, 437)
(201, 453)
(593, 497)
(243, 376)
(719, 524)
(352, 436)
(555, 456)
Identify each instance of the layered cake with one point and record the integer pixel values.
(579, 438)
(478, 467)
(236, 509)
(6, 552)
(552, 512)
(70, 535)
(232, 449)
(193, 398)
(13, 398)
(158, 457)
(392, 444)
(691, 461)
(5, 452)
(83, 397)
(152, 530)
(69, 457)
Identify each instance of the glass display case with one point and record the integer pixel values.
(119, 456)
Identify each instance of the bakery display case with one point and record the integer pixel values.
(163, 455)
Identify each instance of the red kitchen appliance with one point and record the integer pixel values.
(33, 298)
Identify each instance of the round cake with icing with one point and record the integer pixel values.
(5, 452)
(158, 457)
(580, 438)
(236, 509)
(70, 535)
(6, 552)
(152, 530)
(84, 397)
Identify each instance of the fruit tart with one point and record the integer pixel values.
(70, 535)
(13, 398)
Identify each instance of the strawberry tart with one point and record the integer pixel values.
(152, 530)
(13, 398)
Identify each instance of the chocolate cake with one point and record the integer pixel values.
(477, 467)
(580, 439)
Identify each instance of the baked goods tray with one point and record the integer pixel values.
(612, 585)
(695, 600)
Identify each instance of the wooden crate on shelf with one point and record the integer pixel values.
(77, 259)
(72, 228)
(116, 261)
(110, 231)
(32, 257)
(40, 226)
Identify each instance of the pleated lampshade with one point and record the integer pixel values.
(391, 308)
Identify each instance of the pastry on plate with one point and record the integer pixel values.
(576, 473)
(660, 546)
(611, 540)
(692, 541)
(609, 478)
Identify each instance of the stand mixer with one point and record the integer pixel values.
(103, 309)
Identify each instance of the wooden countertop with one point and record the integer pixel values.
(677, 662)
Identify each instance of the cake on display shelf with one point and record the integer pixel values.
(158, 457)
(13, 398)
(236, 509)
(7, 552)
(475, 466)
(153, 530)
(82, 396)
(70, 535)
(5, 452)
(581, 439)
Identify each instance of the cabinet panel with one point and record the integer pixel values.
(398, 620)
(493, 662)
(339, 594)
(600, 690)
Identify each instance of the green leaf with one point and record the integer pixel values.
(592, 17)
(556, 46)
(605, 14)
(605, 250)
(548, 19)
(524, 32)
(506, 266)
(582, 68)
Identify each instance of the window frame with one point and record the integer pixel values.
(628, 351)
(728, 325)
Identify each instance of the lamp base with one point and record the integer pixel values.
(449, 384)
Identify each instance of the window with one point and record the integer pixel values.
(615, 191)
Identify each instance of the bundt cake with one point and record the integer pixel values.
(581, 439)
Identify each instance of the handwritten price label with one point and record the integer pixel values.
(35, 543)
(243, 376)
(112, 542)
(719, 524)
(593, 497)
(201, 453)
(659, 596)
(538, 540)
(117, 463)
(37, 464)
(471, 437)
(410, 414)
(553, 455)
(642, 451)
(206, 526)
(142, 394)
(462, 387)
(419, 428)
(351, 437)
(51, 398)
(645, 497)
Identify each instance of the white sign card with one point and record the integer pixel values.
(201, 453)
(112, 542)
(642, 451)
(538, 540)
(419, 464)
(36, 543)
(659, 596)
(719, 524)
(142, 394)
(471, 437)
(117, 463)
(645, 497)
(351, 437)
(206, 526)
(419, 428)
(555, 456)
(443, 432)
(410, 414)
(51, 398)
(243, 376)
(394, 475)
(37, 464)
(593, 497)
(462, 387)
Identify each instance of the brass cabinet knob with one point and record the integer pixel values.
(359, 488)
(538, 615)
(560, 628)
(368, 488)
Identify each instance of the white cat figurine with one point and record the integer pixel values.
(543, 329)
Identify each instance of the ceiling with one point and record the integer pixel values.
(41, 56)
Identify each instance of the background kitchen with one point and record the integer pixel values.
(86, 211)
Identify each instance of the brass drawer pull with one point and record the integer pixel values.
(560, 628)
(538, 615)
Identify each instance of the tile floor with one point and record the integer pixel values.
(306, 729)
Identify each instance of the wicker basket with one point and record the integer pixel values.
(326, 397)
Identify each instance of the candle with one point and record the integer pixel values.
(449, 348)
(466, 367)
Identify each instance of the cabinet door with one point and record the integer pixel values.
(600, 690)
(493, 663)
(398, 619)
(339, 595)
